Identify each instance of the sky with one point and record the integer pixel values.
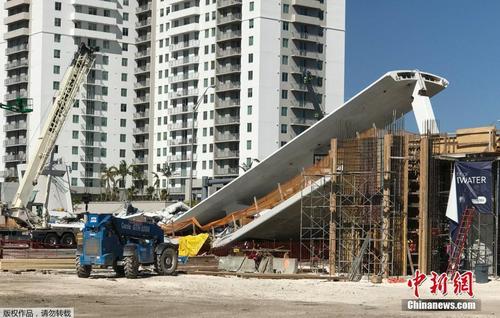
(456, 39)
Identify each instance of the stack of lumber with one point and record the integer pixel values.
(31, 264)
(40, 253)
(200, 263)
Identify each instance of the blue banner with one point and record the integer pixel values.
(474, 182)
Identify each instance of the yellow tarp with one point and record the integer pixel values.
(190, 245)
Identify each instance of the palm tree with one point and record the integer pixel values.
(139, 177)
(247, 166)
(156, 183)
(167, 173)
(108, 176)
(131, 192)
(150, 191)
(123, 171)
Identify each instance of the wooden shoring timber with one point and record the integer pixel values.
(386, 204)
(37, 264)
(406, 187)
(423, 222)
(333, 207)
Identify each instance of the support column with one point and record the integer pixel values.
(423, 221)
(386, 205)
(406, 187)
(333, 207)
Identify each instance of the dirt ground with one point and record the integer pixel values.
(103, 295)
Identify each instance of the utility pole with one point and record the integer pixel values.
(189, 194)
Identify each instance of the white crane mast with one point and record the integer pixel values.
(72, 80)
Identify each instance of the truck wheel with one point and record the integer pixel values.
(83, 271)
(68, 240)
(167, 262)
(51, 240)
(131, 266)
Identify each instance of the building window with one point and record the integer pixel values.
(57, 54)
(123, 122)
(57, 22)
(123, 108)
(251, 6)
(285, 26)
(123, 138)
(104, 91)
(249, 127)
(250, 92)
(74, 150)
(74, 134)
(284, 111)
(104, 75)
(124, 77)
(56, 69)
(76, 119)
(123, 92)
(103, 152)
(57, 38)
(250, 75)
(125, 16)
(122, 153)
(74, 166)
(286, 8)
(125, 31)
(284, 94)
(284, 77)
(57, 6)
(249, 110)
(249, 145)
(124, 61)
(105, 44)
(105, 60)
(250, 24)
(124, 47)
(284, 128)
(74, 182)
(284, 60)
(250, 58)
(285, 42)
(250, 41)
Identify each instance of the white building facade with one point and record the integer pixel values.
(250, 58)
(40, 40)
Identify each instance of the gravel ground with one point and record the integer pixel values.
(103, 295)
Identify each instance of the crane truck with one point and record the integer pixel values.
(22, 210)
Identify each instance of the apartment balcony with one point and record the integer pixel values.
(304, 36)
(16, 17)
(141, 130)
(102, 4)
(14, 3)
(223, 53)
(184, 61)
(16, 80)
(85, 143)
(228, 35)
(90, 159)
(304, 122)
(142, 69)
(307, 105)
(16, 49)
(180, 110)
(96, 34)
(141, 99)
(21, 125)
(91, 128)
(228, 86)
(11, 142)
(180, 142)
(306, 54)
(180, 158)
(16, 94)
(298, 87)
(230, 18)
(140, 161)
(183, 77)
(306, 19)
(184, 45)
(227, 137)
(16, 64)
(143, 38)
(93, 98)
(309, 3)
(226, 171)
(227, 69)
(140, 145)
(143, 23)
(15, 33)
(182, 174)
(183, 12)
(228, 3)
(177, 190)
(185, 28)
(181, 125)
(143, 53)
(227, 120)
(90, 175)
(301, 70)
(10, 173)
(226, 154)
(228, 103)
(142, 84)
(141, 115)
(144, 8)
(93, 18)
(182, 93)
(14, 157)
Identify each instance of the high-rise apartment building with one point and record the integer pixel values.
(250, 58)
(40, 39)
(245, 61)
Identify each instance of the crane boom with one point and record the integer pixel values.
(72, 80)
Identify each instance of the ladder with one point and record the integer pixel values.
(356, 274)
(458, 247)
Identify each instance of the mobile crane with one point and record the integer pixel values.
(21, 207)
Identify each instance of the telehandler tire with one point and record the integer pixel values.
(82, 271)
(167, 261)
(131, 266)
